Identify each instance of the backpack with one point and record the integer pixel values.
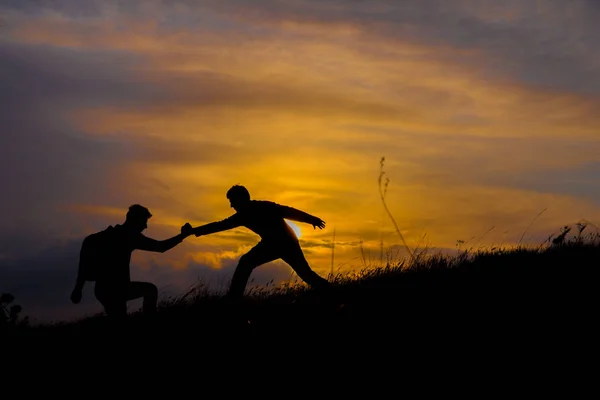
(95, 253)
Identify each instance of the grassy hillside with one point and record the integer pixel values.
(545, 293)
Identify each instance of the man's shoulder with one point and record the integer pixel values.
(266, 209)
(101, 234)
(126, 237)
(263, 203)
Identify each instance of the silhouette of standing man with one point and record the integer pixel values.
(278, 240)
(113, 280)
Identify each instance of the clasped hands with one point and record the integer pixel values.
(187, 230)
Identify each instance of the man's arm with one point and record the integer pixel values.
(80, 281)
(159, 246)
(228, 223)
(300, 216)
(77, 292)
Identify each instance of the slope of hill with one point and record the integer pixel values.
(518, 294)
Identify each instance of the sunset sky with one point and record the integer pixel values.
(487, 113)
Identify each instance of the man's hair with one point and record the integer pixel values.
(238, 192)
(137, 212)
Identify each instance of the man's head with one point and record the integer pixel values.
(137, 217)
(239, 197)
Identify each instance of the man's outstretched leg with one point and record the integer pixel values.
(296, 259)
(258, 255)
(148, 291)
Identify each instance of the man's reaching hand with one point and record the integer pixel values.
(318, 223)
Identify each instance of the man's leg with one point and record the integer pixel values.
(294, 256)
(148, 291)
(258, 255)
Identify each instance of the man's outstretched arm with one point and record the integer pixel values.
(301, 216)
(159, 246)
(218, 226)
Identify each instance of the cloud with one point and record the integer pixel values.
(440, 76)
(544, 55)
(517, 39)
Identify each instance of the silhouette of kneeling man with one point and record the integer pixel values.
(278, 240)
(105, 258)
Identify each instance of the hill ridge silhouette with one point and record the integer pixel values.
(515, 293)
